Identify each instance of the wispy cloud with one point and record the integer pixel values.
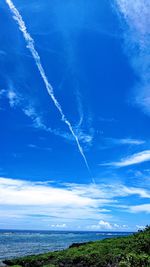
(140, 208)
(31, 46)
(129, 141)
(33, 146)
(30, 112)
(84, 137)
(13, 98)
(80, 109)
(109, 191)
(124, 141)
(136, 158)
(137, 44)
(136, 191)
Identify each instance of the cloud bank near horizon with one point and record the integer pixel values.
(64, 203)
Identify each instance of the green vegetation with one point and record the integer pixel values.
(130, 251)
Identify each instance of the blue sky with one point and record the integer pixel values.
(75, 113)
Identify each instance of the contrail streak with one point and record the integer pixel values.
(30, 45)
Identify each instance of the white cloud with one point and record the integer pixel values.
(13, 98)
(52, 204)
(11, 95)
(45, 204)
(136, 191)
(85, 138)
(137, 45)
(140, 208)
(17, 192)
(136, 158)
(33, 146)
(130, 141)
(38, 123)
(16, 100)
(123, 141)
(105, 225)
(37, 120)
(108, 191)
(24, 198)
(59, 225)
(58, 204)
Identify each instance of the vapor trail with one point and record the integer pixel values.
(30, 45)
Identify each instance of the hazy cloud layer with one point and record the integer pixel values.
(58, 204)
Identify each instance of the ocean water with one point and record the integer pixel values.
(20, 243)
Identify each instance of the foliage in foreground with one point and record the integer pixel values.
(130, 251)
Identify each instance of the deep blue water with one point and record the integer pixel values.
(21, 243)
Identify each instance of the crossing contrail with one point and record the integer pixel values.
(30, 45)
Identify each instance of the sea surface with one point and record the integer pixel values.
(20, 243)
